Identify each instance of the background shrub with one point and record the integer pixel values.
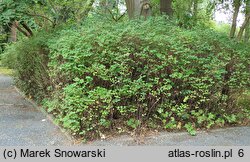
(29, 58)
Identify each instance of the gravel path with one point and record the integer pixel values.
(23, 125)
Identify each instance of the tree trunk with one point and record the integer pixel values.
(237, 4)
(195, 9)
(13, 37)
(247, 33)
(245, 24)
(243, 27)
(130, 8)
(145, 8)
(135, 8)
(166, 7)
(130, 4)
(247, 30)
(26, 31)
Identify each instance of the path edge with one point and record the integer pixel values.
(50, 117)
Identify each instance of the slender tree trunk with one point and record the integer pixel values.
(245, 24)
(247, 30)
(243, 27)
(237, 4)
(247, 33)
(195, 9)
(13, 37)
(166, 7)
(26, 31)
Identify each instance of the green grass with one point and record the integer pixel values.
(6, 71)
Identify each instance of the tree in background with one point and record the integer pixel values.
(195, 4)
(245, 25)
(236, 6)
(133, 8)
(166, 7)
(12, 17)
(111, 9)
(186, 12)
(247, 30)
(137, 8)
(26, 15)
(61, 11)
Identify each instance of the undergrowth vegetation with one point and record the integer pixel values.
(124, 76)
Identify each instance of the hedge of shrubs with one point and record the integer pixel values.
(124, 76)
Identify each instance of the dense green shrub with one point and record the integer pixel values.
(140, 73)
(3, 38)
(29, 58)
(9, 57)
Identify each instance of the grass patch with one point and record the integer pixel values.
(5, 70)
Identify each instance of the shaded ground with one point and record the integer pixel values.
(23, 125)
